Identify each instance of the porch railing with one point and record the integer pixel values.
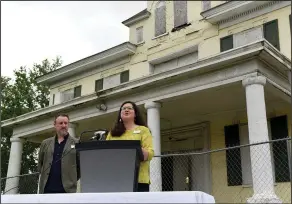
(224, 173)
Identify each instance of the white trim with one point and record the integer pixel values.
(234, 12)
(136, 18)
(159, 36)
(259, 11)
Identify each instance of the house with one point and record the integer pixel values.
(207, 75)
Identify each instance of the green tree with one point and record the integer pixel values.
(18, 97)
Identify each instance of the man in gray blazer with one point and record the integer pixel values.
(58, 161)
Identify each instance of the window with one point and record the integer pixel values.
(206, 5)
(226, 43)
(71, 93)
(124, 76)
(160, 18)
(180, 13)
(239, 162)
(271, 33)
(98, 84)
(139, 34)
(77, 91)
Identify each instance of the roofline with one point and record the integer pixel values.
(137, 17)
(103, 57)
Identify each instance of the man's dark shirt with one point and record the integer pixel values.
(54, 183)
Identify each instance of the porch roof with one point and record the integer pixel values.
(261, 50)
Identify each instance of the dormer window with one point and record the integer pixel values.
(139, 34)
(160, 18)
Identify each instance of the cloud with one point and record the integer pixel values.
(33, 31)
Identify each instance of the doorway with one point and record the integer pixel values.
(185, 171)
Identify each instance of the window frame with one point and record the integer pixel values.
(121, 76)
(221, 42)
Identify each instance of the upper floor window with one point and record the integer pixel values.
(71, 93)
(226, 43)
(139, 34)
(206, 5)
(160, 18)
(271, 33)
(98, 84)
(180, 13)
(124, 77)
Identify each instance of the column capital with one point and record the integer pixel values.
(151, 104)
(254, 80)
(16, 139)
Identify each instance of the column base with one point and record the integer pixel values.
(264, 198)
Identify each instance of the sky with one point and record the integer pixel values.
(32, 31)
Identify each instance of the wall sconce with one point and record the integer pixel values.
(101, 107)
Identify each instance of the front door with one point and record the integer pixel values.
(184, 171)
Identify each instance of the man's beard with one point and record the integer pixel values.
(62, 132)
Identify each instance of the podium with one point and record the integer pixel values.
(109, 166)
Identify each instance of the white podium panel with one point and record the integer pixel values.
(123, 197)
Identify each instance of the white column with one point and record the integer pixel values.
(153, 121)
(72, 129)
(14, 166)
(262, 175)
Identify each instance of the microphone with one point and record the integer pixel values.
(99, 134)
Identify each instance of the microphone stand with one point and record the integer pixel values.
(99, 134)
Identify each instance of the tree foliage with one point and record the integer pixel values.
(18, 97)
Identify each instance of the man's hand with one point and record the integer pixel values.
(145, 153)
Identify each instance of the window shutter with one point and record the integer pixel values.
(53, 99)
(271, 33)
(290, 25)
(233, 157)
(279, 130)
(139, 34)
(226, 43)
(125, 76)
(98, 84)
(180, 13)
(77, 91)
(160, 18)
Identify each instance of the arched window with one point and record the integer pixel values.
(160, 18)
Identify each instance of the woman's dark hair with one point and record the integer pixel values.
(119, 127)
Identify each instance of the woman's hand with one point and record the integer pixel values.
(145, 153)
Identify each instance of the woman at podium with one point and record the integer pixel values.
(131, 126)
